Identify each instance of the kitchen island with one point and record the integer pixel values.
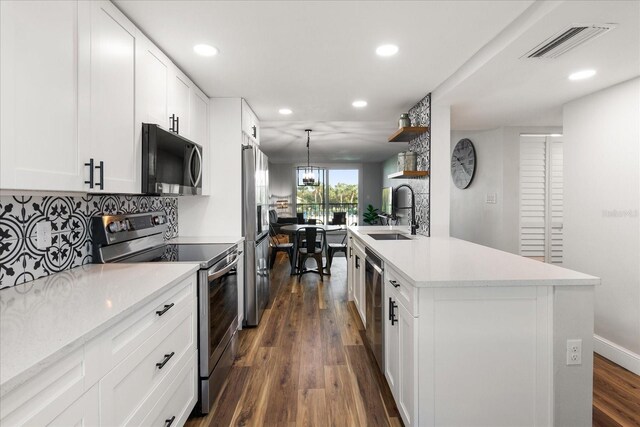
(477, 336)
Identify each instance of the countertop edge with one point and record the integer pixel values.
(22, 377)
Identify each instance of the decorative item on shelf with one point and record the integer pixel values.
(410, 161)
(309, 176)
(401, 161)
(404, 121)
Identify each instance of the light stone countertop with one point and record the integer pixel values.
(447, 262)
(192, 240)
(43, 320)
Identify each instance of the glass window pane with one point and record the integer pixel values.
(343, 196)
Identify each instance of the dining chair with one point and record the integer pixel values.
(309, 238)
(333, 248)
(339, 218)
(278, 246)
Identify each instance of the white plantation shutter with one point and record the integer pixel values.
(541, 198)
(556, 201)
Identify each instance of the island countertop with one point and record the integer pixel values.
(43, 320)
(448, 262)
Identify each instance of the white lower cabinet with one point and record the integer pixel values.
(400, 354)
(122, 376)
(359, 288)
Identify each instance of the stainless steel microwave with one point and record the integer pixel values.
(171, 164)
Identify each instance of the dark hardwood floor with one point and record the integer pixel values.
(616, 395)
(306, 364)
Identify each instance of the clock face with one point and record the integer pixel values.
(463, 163)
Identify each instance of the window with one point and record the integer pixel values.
(338, 194)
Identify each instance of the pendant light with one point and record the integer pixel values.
(309, 176)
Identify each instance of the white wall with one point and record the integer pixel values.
(370, 187)
(219, 214)
(497, 171)
(390, 166)
(602, 200)
(439, 203)
(282, 185)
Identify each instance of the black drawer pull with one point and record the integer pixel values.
(169, 421)
(394, 283)
(164, 310)
(167, 357)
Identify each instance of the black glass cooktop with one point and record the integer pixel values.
(206, 255)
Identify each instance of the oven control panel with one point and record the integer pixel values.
(117, 224)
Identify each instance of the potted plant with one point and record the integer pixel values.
(370, 217)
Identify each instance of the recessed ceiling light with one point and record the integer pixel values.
(359, 103)
(387, 50)
(205, 50)
(581, 75)
(285, 111)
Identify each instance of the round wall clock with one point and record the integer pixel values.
(463, 163)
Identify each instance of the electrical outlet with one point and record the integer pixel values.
(574, 352)
(43, 235)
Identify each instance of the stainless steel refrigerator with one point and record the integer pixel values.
(255, 220)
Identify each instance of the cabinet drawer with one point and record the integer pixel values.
(127, 335)
(43, 397)
(130, 383)
(177, 400)
(406, 293)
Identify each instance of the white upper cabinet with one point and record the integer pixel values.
(179, 102)
(107, 71)
(39, 147)
(250, 123)
(152, 83)
(78, 79)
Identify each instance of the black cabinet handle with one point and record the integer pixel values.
(169, 421)
(392, 312)
(90, 164)
(164, 310)
(357, 261)
(254, 131)
(177, 125)
(167, 357)
(101, 183)
(172, 119)
(394, 283)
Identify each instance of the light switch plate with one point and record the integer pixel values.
(43, 235)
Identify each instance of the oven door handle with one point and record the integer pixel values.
(214, 274)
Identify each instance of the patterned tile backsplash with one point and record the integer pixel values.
(20, 258)
(420, 115)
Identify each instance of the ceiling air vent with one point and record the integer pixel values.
(568, 39)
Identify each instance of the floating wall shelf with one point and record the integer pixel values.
(408, 174)
(408, 133)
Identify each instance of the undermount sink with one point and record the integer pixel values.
(389, 236)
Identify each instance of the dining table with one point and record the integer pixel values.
(292, 230)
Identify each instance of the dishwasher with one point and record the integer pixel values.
(374, 309)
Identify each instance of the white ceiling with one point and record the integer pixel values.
(508, 91)
(316, 57)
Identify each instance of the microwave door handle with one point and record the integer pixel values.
(200, 166)
(193, 183)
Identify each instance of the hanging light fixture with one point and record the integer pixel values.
(309, 176)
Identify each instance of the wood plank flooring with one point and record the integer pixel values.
(306, 364)
(616, 395)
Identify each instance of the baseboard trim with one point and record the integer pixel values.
(617, 354)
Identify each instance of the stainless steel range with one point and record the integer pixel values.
(135, 238)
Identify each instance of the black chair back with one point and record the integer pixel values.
(312, 221)
(312, 239)
(339, 218)
(300, 216)
(273, 216)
